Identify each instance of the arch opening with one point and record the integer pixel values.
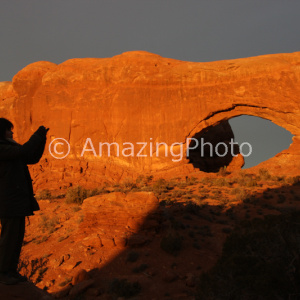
(241, 142)
(267, 138)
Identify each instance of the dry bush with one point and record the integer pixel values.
(76, 195)
(48, 224)
(207, 181)
(171, 243)
(222, 171)
(259, 261)
(129, 184)
(240, 194)
(44, 195)
(292, 180)
(33, 269)
(161, 186)
(221, 182)
(264, 174)
(123, 288)
(178, 194)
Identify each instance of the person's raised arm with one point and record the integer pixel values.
(30, 152)
(35, 156)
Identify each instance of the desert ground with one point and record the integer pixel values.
(154, 238)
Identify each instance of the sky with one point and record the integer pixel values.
(189, 30)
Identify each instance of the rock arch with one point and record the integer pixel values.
(287, 160)
(212, 147)
(137, 97)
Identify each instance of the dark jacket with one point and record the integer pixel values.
(16, 192)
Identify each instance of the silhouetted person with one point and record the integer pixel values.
(16, 195)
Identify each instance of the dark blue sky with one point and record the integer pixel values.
(192, 30)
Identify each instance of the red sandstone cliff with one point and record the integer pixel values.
(142, 97)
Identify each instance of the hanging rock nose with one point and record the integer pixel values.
(215, 149)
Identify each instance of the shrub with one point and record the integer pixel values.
(227, 230)
(235, 191)
(37, 241)
(96, 191)
(216, 194)
(48, 224)
(196, 245)
(147, 188)
(247, 181)
(191, 181)
(267, 195)
(44, 195)
(129, 184)
(34, 268)
(182, 184)
(241, 194)
(292, 180)
(199, 198)
(278, 178)
(264, 174)
(178, 194)
(149, 178)
(162, 186)
(192, 208)
(204, 190)
(76, 195)
(80, 219)
(123, 288)
(188, 196)
(222, 171)
(281, 198)
(132, 256)
(140, 268)
(251, 200)
(140, 179)
(62, 238)
(224, 201)
(221, 182)
(160, 183)
(207, 181)
(176, 225)
(259, 261)
(204, 231)
(76, 208)
(171, 243)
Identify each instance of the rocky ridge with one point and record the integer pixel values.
(142, 97)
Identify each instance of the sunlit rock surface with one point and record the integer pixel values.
(139, 97)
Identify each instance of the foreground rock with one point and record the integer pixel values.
(86, 239)
(121, 216)
(133, 242)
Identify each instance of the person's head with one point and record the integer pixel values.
(5, 129)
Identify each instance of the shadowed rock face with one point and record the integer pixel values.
(142, 97)
(212, 148)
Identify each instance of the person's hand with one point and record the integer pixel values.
(42, 130)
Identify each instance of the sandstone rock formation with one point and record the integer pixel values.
(89, 238)
(142, 97)
(215, 149)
